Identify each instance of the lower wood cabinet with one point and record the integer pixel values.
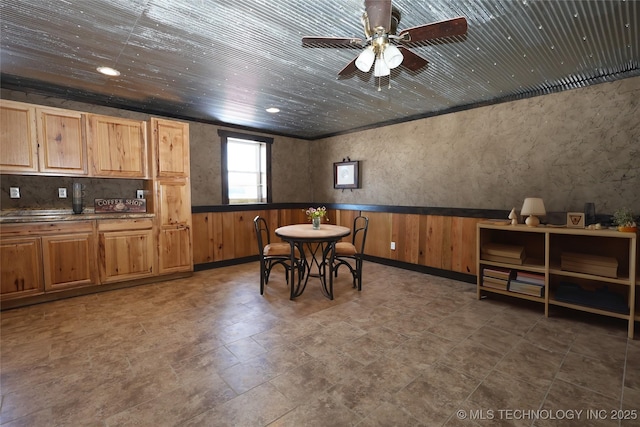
(125, 250)
(174, 249)
(20, 267)
(69, 260)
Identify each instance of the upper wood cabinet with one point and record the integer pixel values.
(41, 140)
(61, 142)
(171, 145)
(18, 142)
(117, 147)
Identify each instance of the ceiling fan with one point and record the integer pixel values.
(380, 20)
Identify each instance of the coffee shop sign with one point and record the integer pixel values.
(120, 205)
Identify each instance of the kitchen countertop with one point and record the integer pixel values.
(48, 215)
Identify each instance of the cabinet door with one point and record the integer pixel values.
(20, 267)
(62, 144)
(69, 261)
(18, 144)
(117, 147)
(174, 250)
(171, 146)
(174, 202)
(126, 255)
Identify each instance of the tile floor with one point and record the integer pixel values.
(409, 350)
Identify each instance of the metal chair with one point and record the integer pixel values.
(351, 254)
(272, 254)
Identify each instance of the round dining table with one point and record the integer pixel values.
(321, 245)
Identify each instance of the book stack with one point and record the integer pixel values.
(498, 252)
(527, 283)
(589, 264)
(496, 278)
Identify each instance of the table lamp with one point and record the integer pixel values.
(533, 207)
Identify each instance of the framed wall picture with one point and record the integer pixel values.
(575, 219)
(346, 174)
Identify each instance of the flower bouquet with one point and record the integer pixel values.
(316, 215)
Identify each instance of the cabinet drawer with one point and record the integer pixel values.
(45, 228)
(125, 224)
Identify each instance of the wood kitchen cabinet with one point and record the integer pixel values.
(61, 141)
(20, 267)
(171, 145)
(172, 190)
(175, 252)
(41, 140)
(69, 259)
(117, 147)
(126, 250)
(18, 141)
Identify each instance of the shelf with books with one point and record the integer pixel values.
(573, 268)
(513, 294)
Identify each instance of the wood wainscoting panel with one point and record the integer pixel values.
(203, 244)
(379, 235)
(406, 234)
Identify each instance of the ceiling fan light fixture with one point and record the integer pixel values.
(381, 68)
(365, 59)
(392, 56)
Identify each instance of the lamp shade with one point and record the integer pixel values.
(533, 207)
(381, 68)
(365, 59)
(392, 56)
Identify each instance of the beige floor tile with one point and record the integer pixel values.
(208, 350)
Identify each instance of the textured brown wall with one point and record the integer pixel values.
(569, 148)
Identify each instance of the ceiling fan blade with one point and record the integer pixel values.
(349, 68)
(333, 41)
(379, 12)
(448, 28)
(412, 60)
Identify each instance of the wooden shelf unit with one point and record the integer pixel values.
(544, 247)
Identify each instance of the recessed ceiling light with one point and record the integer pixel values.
(273, 110)
(108, 71)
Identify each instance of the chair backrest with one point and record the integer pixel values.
(262, 233)
(360, 228)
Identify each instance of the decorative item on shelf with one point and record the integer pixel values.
(589, 213)
(533, 207)
(316, 215)
(575, 220)
(513, 216)
(625, 220)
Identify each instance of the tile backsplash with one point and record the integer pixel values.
(41, 192)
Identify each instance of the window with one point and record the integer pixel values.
(246, 168)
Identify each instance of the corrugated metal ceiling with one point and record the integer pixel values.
(226, 61)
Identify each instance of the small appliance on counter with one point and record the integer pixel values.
(77, 198)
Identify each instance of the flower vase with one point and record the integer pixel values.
(316, 222)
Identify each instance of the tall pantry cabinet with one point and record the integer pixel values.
(172, 189)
